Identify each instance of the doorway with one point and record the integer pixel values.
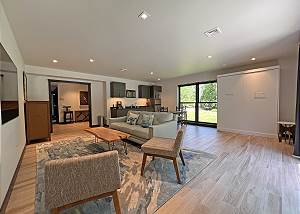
(200, 101)
(70, 105)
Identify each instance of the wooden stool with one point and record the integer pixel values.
(286, 129)
(68, 116)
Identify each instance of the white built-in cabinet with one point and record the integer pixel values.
(248, 101)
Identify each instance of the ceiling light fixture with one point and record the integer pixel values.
(144, 15)
(158, 79)
(55, 61)
(151, 73)
(209, 56)
(123, 69)
(92, 60)
(253, 58)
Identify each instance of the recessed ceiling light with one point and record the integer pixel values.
(123, 69)
(253, 58)
(151, 73)
(209, 56)
(144, 15)
(55, 61)
(92, 60)
(158, 79)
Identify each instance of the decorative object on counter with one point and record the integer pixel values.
(119, 105)
(286, 131)
(84, 98)
(130, 94)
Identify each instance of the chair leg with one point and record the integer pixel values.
(181, 157)
(116, 202)
(143, 164)
(176, 170)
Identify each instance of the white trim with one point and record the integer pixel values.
(295, 156)
(250, 71)
(244, 132)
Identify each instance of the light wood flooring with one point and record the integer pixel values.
(250, 175)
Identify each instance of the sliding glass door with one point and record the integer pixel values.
(200, 101)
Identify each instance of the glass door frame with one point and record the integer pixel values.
(197, 103)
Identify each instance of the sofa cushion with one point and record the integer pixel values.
(132, 118)
(162, 117)
(147, 120)
(122, 126)
(141, 132)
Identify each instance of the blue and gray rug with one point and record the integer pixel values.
(137, 194)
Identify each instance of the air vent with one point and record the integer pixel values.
(213, 32)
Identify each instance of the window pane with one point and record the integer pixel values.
(208, 92)
(188, 93)
(208, 112)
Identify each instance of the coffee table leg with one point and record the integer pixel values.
(125, 147)
(108, 146)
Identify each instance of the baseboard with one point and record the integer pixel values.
(244, 132)
(11, 185)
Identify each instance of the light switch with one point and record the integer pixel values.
(259, 95)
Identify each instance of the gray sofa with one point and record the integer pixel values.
(164, 125)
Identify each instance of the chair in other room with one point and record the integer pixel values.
(165, 148)
(73, 181)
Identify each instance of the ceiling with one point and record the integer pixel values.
(170, 43)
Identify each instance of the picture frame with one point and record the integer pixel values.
(130, 94)
(84, 97)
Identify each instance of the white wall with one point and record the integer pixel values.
(69, 95)
(288, 84)
(248, 102)
(12, 133)
(100, 87)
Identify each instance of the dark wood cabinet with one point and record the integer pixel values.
(155, 91)
(144, 91)
(117, 89)
(37, 117)
(115, 112)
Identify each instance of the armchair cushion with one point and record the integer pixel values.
(160, 146)
(74, 179)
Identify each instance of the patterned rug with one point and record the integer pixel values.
(137, 194)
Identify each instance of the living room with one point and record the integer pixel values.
(208, 90)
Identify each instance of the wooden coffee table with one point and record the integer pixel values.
(110, 136)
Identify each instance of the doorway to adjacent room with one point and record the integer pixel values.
(70, 106)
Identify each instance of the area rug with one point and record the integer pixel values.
(137, 194)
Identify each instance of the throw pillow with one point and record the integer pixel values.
(147, 120)
(132, 118)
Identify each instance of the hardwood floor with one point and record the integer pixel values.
(250, 175)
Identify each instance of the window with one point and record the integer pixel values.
(200, 100)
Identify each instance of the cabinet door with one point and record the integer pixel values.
(144, 91)
(117, 89)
